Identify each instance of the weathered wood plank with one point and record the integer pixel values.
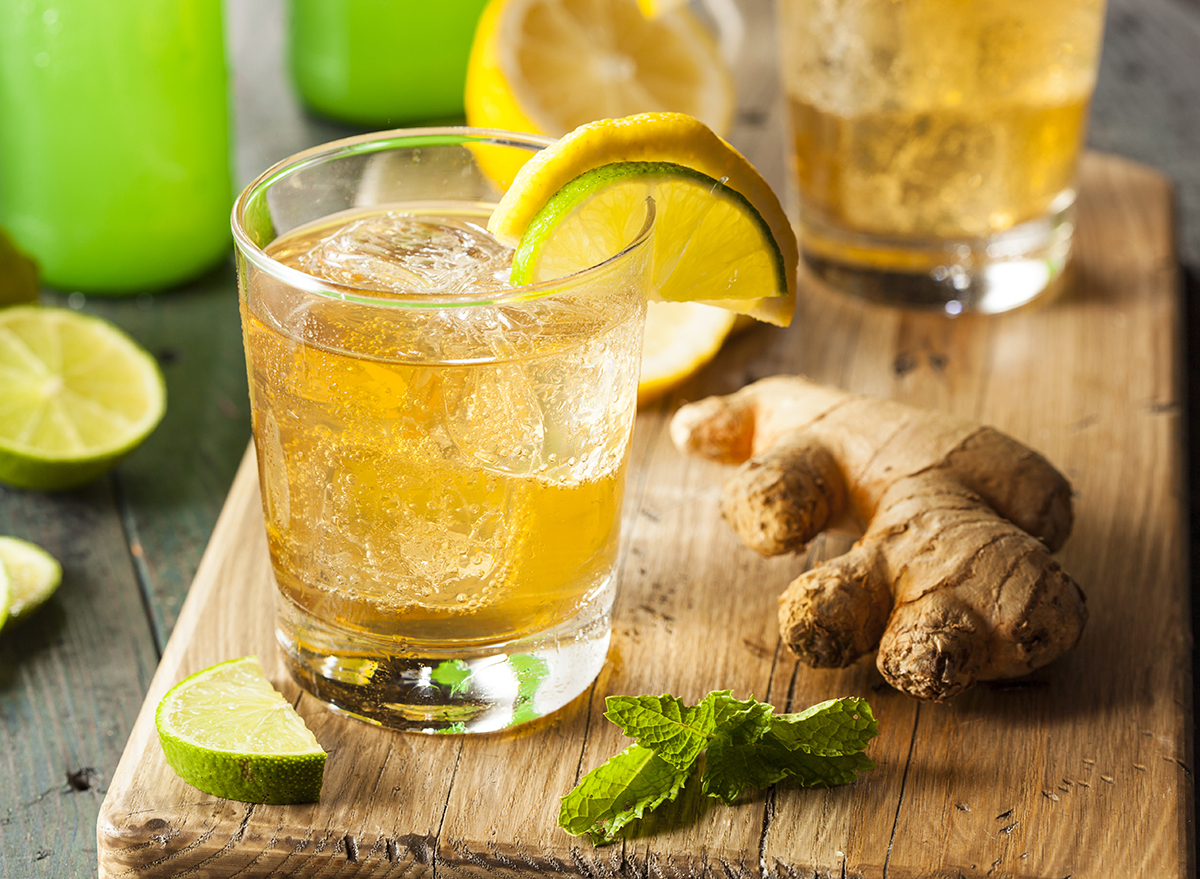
(71, 679)
(170, 491)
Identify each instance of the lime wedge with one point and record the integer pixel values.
(710, 244)
(721, 235)
(33, 575)
(228, 732)
(79, 396)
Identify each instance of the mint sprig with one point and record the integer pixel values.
(744, 743)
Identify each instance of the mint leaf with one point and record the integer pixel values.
(730, 767)
(747, 720)
(452, 673)
(675, 732)
(530, 671)
(833, 728)
(732, 761)
(814, 770)
(619, 791)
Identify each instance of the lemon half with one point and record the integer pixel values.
(680, 339)
(548, 66)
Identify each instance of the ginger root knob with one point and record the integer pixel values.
(952, 580)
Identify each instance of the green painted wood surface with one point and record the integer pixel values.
(168, 493)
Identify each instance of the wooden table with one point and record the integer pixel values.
(73, 679)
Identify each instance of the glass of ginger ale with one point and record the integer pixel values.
(442, 456)
(936, 143)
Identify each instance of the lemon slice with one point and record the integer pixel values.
(680, 338)
(78, 395)
(228, 732)
(720, 233)
(548, 66)
(33, 575)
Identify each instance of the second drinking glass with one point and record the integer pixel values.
(936, 143)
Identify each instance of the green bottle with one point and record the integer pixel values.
(114, 140)
(382, 62)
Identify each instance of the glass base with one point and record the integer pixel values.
(419, 688)
(982, 275)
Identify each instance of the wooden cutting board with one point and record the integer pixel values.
(1082, 770)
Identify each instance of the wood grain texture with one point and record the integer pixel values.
(71, 676)
(1082, 769)
(169, 492)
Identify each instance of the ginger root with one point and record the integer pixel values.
(952, 578)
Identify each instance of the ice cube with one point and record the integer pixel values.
(494, 418)
(397, 252)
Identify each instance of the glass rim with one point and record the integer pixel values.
(402, 138)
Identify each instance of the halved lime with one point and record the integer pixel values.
(228, 732)
(33, 575)
(78, 396)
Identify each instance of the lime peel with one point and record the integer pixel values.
(228, 732)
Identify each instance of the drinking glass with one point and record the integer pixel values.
(936, 143)
(442, 472)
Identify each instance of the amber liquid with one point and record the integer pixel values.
(462, 501)
(933, 120)
(949, 173)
